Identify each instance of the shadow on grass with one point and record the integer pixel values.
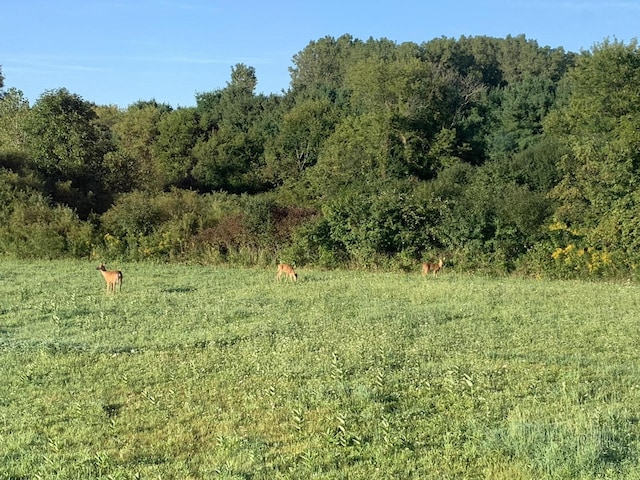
(179, 290)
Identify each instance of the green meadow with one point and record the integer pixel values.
(194, 372)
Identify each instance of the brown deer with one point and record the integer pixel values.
(112, 277)
(288, 271)
(433, 267)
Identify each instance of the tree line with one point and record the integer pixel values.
(497, 153)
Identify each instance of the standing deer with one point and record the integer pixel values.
(288, 271)
(433, 267)
(112, 277)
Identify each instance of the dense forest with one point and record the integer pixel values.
(496, 153)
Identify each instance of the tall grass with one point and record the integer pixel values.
(192, 372)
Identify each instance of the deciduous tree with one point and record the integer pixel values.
(67, 144)
(600, 127)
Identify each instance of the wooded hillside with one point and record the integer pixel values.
(495, 153)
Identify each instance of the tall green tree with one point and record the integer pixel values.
(178, 132)
(230, 154)
(518, 112)
(68, 146)
(134, 164)
(356, 152)
(599, 194)
(296, 146)
(14, 111)
(319, 68)
(421, 107)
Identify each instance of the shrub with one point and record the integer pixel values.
(143, 225)
(254, 231)
(33, 229)
(312, 244)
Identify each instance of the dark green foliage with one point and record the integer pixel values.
(255, 231)
(598, 126)
(145, 225)
(496, 153)
(177, 133)
(296, 147)
(521, 108)
(14, 112)
(313, 244)
(32, 228)
(230, 152)
(135, 164)
(30, 225)
(225, 162)
(18, 176)
(67, 145)
(379, 220)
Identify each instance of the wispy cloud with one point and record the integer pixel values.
(212, 61)
(175, 5)
(585, 5)
(50, 64)
(598, 6)
(201, 6)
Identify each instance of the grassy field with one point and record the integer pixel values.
(195, 372)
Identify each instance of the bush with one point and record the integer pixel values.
(33, 229)
(312, 244)
(142, 225)
(255, 230)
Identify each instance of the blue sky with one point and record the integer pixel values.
(121, 51)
